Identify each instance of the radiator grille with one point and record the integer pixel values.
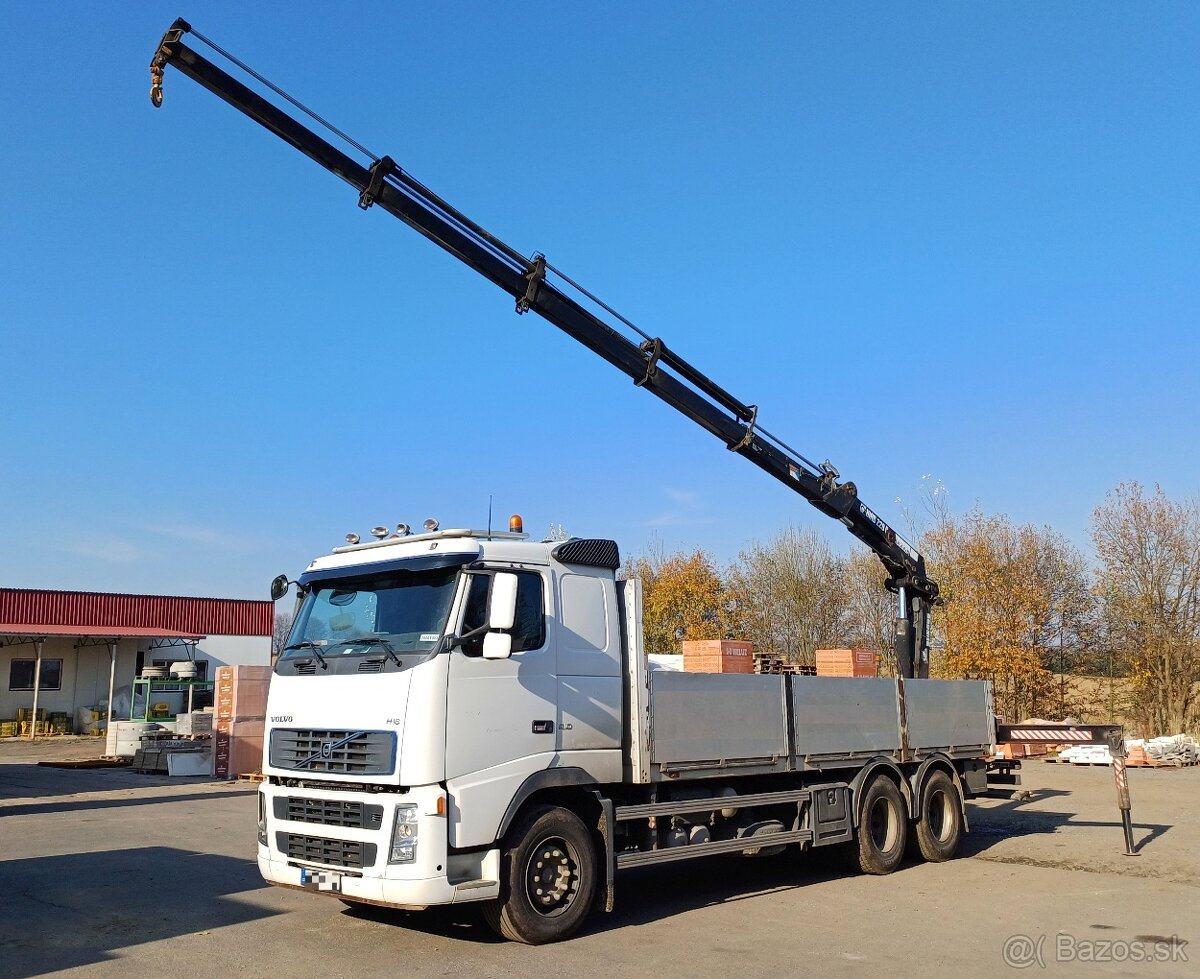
(328, 812)
(335, 752)
(335, 853)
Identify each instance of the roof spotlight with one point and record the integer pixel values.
(430, 525)
(379, 532)
(403, 529)
(352, 538)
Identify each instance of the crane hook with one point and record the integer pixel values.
(156, 90)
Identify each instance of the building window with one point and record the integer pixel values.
(20, 674)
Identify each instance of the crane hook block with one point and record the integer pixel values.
(161, 56)
(156, 92)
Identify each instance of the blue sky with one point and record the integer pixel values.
(955, 241)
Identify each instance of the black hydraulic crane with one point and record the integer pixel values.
(538, 286)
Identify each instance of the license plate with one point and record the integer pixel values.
(320, 880)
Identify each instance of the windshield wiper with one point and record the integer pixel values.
(374, 641)
(314, 646)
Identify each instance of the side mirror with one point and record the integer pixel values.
(279, 587)
(502, 606)
(497, 645)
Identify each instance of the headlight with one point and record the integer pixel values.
(404, 835)
(262, 818)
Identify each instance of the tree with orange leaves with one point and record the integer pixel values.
(682, 598)
(1011, 594)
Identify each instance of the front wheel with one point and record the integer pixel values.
(548, 878)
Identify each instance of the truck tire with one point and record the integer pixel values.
(882, 828)
(939, 829)
(547, 878)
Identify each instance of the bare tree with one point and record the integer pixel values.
(790, 595)
(870, 607)
(283, 624)
(1149, 587)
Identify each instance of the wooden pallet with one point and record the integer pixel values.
(766, 663)
(251, 777)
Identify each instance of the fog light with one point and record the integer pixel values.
(262, 818)
(404, 835)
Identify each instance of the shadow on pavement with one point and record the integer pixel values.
(643, 895)
(67, 911)
(652, 894)
(34, 782)
(77, 805)
(1014, 818)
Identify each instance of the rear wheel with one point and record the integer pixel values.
(938, 830)
(882, 828)
(548, 878)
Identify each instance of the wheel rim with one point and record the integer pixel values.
(883, 825)
(939, 816)
(552, 876)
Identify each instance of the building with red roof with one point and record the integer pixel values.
(61, 651)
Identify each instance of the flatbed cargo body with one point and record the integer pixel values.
(705, 724)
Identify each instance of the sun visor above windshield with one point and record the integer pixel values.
(422, 562)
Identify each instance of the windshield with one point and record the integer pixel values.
(403, 612)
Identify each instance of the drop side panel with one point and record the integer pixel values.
(705, 722)
(844, 716)
(948, 713)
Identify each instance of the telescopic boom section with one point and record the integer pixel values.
(651, 364)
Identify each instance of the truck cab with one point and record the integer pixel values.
(428, 682)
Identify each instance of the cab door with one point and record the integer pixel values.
(505, 711)
(589, 668)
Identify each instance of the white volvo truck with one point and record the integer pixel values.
(468, 716)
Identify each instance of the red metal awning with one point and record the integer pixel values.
(93, 631)
(68, 613)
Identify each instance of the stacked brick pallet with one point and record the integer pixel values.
(847, 662)
(1021, 749)
(717, 656)
(241, 711)
(1178, 751)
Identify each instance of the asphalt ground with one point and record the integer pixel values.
(111, 873)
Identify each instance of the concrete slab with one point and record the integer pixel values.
(112, 874)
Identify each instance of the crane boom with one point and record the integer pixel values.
(537, 286)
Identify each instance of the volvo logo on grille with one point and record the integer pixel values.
(327, 748)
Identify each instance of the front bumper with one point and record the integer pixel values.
(351, 862)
